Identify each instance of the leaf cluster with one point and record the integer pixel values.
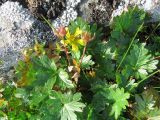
(82, 77)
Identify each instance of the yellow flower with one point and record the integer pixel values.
(74, 40)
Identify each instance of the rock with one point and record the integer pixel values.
(14, 32)
(98, 11)
(2, 1)
(18, 30)
(48, 8)
(150, 6)
(68, 15)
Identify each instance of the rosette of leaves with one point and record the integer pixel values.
(44, 92)
(106, 72)
(41, 104)
(41, 70)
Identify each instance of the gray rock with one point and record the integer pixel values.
(98, 11)
(68, 15)
(150, 6)
(85, 10)
(18, 30)
(14, 32)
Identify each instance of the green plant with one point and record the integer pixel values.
(147, 106)
(109, 100)
(82, 77)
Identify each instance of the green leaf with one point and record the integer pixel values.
(87, 62)
(1, 62)
(37, 72)
(129, 21)
(119, 99)
(154, 42)
(94, 28)
(69, 109)
(104, 57)
(124, 28)
(77, 97)
(64, 77)
(70, 104)
(106, 69)
(139, 62)
(100, 101)
(122, 81)
(79, 23)
(109, 100)
(146, 106)
(37, 96)
(21, 93)
(44, 62)
(52, 106)
(50, 83)
(76, 55)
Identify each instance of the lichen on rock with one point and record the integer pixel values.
(48, 8)
(68, 15)
(14, 32)
(98, 11)
(18, 30)
(150, 6)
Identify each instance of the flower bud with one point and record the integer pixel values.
(61, 32)
(86, 37)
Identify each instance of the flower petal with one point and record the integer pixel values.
(74, 48)
(68, 33)
(81, 42)
(78, 32)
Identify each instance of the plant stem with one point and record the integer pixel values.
(50, 25)
(158, 57)
(125, 54)
(145, 79)
(148, 77)
(85, 75)
(84, 50)
(152, 32)
(66, 52)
